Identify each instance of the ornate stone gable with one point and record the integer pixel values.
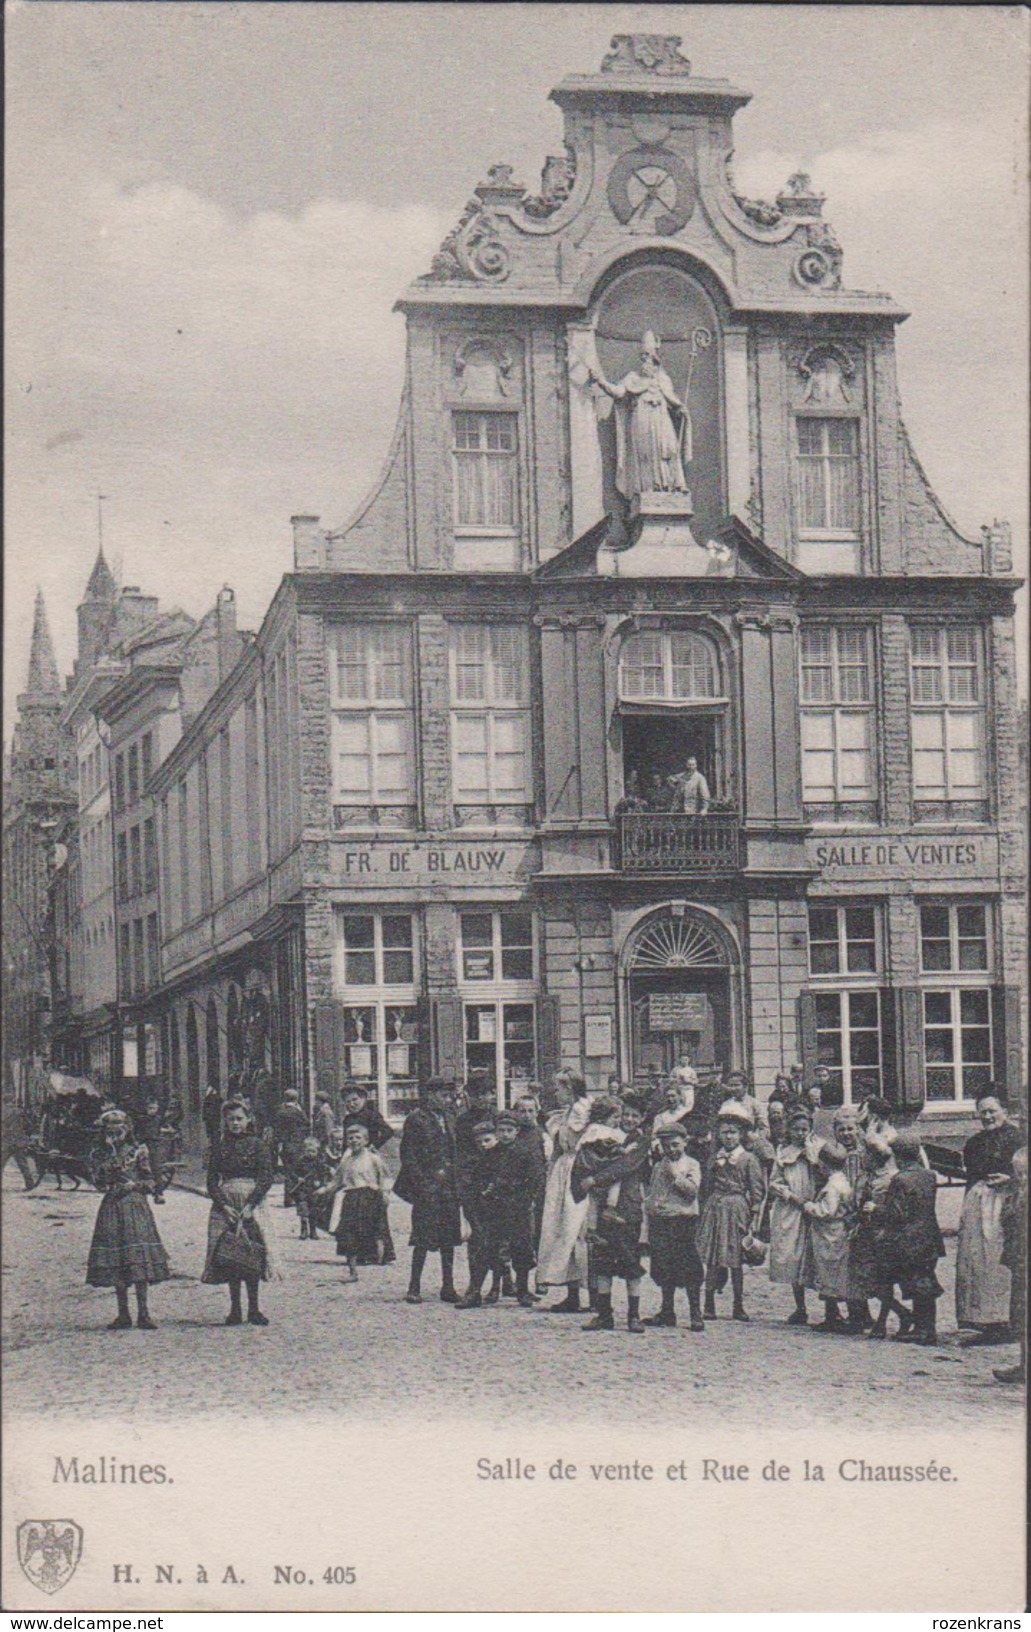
(645, 166)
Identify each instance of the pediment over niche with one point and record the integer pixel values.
(663, 545)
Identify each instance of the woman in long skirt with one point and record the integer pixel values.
(731, 1211)
(126, 1249)
(982, 1280)
(792, 1184)
(562, 1254)
(239, 1180)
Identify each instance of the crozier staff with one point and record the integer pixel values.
(126, 1249)
(653, 428)
(240, 1239)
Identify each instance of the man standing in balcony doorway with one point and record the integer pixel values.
(692, 790)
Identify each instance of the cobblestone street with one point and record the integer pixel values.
(348, 1350)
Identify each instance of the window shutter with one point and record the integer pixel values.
(1006, 1052)
(806, 1020)
(423, 1053)
(911, 1051)
(550, 1032)
(891, 1065)
(326, 1055)
(446, 1036)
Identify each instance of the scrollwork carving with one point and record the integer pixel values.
(647, 54)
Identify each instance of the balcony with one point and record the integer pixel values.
(660, 842)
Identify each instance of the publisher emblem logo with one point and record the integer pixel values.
(48, 1551)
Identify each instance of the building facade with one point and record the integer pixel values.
(39, 794)
(650, 501)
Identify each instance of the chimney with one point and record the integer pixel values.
(309, 544)
(228, 639)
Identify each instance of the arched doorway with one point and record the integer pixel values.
(681, 993)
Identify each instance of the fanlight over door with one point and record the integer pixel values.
(676, 943)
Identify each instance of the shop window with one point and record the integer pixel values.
(500, 1040)
(381, 1026)
(828, 495)
(484, 463)
(947, 723)
(497, 973)
(373, 725)
(837, 697)
(490, 723)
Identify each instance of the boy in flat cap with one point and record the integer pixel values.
(910, 1243)
(482, 1205)
(515, 1191)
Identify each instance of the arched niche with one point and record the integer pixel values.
(675, 305)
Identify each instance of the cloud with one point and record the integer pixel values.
(213, 372)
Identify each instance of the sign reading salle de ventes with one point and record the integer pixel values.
(907, 856)
(450, 861)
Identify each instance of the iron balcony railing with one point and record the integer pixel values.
(661, 842)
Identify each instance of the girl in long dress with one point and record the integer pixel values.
(731, 1211)
(792, 1184)
(239, 1180)
(361, 1229)
(562, 1255)
(126, 1249)
(982, 1280)
(829, 1222)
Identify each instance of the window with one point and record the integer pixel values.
(147, 764)
(139, 966)
(672, 666)
(150, 855)
(122, 866)
(225, 780)
(373, 725)
(955, 940)
(837, 723)
(490, 722)
(947, 711)
(845, 963)
(957, 1043)
(497, 975)
(125, 958)
(828, 495)
(497, 946)
(376, 976)
(485, 472)
(377, 949)
(119, 781)
(153, 951)
(135, 863)
(134, 774)
(184, 852)
(954, 937)
(842, 940)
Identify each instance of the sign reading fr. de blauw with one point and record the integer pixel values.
(428, 862)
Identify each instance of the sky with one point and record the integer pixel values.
(211, 209)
